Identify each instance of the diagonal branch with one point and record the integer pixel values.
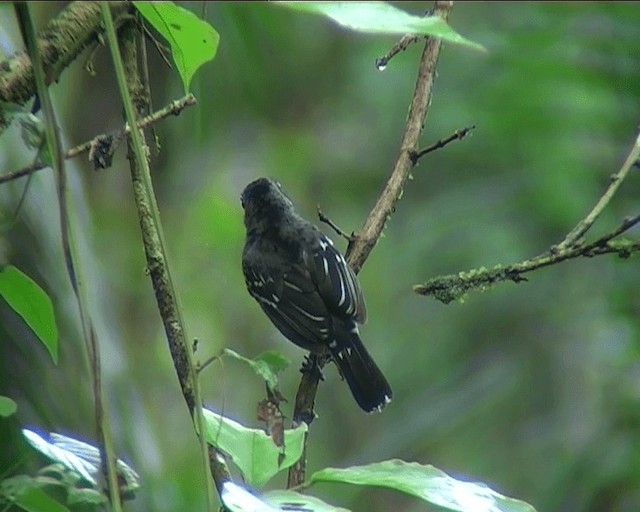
(59, 43)
(366, 239)
(454, 286)
(174, 108)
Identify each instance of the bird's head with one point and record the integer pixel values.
(264, 202)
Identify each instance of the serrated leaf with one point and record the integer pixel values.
(266, 365)
(427, 483)
(296, 502)
(382, 18)
(31, 302)
(193, 41)
(7, 406)
(252, 450)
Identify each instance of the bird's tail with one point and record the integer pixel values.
(367, 383)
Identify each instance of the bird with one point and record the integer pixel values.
(307, 289)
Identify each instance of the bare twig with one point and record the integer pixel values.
(457, 135)
(333, 225)
(174, 108)
(366, 239)
(368, 236)
(453, 287)
(406, 41)
(616, 180)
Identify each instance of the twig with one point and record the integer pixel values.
(457, 135)
(616, 180)
(366, 239)
(368, 236)
(406, 41)
(327, 220)
(174, 108)
(454, 286)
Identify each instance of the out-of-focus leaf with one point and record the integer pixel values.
(7, 406)
(252, 450)
(238, 499)
(34, 499)
(296, 502)
(31, 302)
(382, 18)
(193, 41)
(427, 483)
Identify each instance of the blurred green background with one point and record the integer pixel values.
(532, 388)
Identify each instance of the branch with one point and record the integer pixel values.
(368, 236)
(59, 43)
(457, 135)
(366, 239)
(106, 143)
(454, 286)
(156, 255)
(400, 46)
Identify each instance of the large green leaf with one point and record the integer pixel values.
(427, 483)
(33, 499)
(382, 18)
(32, 304)
(193, 41)
(252, 450)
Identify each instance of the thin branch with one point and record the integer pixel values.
(366, 239)
(334, 226)
(174, 108)
(454, 286)
(71, 255)
(368, 236)
(400, 46)
(457, 135)
(157, 261)
(616, 180)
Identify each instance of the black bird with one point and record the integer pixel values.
(307, 289)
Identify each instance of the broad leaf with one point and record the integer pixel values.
(382, 18)
(193, 41)
(32, 304)
(266, 365)
(427, 483)
(293, 501)
(252, 450)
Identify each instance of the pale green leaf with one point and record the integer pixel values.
(427, 483)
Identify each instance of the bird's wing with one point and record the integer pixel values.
(291, 300)
(337, 284)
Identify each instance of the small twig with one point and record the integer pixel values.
(585, 224)
(406, 41)
(457, 135)
(175, 108)
(327, 220)
(162, 50)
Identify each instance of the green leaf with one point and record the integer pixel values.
(7, 406)
(289, 500)
(32, 304)
(266, 365)
(36, 500)
(382, 18)
(427, 483)
(193, 41)
(252, 450)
